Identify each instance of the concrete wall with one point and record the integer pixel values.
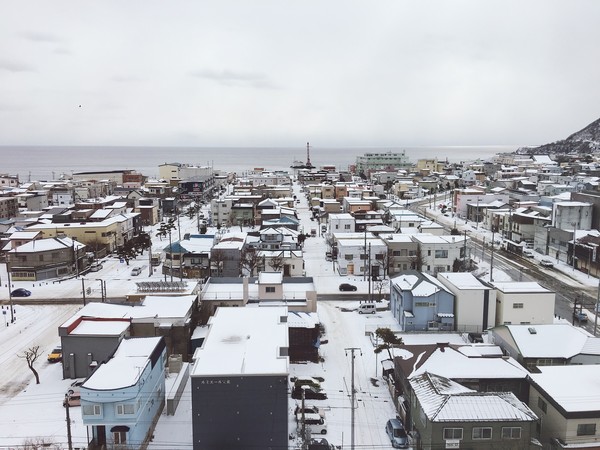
(538, 308)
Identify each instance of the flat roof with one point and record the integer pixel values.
(244, 341)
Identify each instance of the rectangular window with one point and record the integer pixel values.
(395, 253)
(125, 408)
(412, 253)
(453, 433)
(346, 227)
(120, 437)
(379, 257)
(586, 429)
(270, 289)
(428, 252)
(517, 305)
(91, 410)
(348, 257)
(441, 253)
(482, 433)
(511, 432)
(542, 404)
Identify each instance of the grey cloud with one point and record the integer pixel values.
(36, 36)
(12, 66)
(231, 78)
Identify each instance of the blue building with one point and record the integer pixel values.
(421, 303)
(122, 400)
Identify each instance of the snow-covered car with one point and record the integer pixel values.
(308, 409)
(547, 263)
(528, 253)
(310, 393)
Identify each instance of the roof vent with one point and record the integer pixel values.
(532, 330)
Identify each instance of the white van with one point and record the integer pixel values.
(367, 308)
(315, 423)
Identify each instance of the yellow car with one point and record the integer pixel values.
(55, 355)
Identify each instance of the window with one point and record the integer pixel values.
(363, 256)
(120, 437)
(91, 410)
(270, 289)
(542, 404)
(412, 253)
(125, 408)
(349, 257)
(428, 252)
(379, 257)
(517, 305)
(511, 432)
(453, 433)
(441, 253)
(586, 429)
(347, 227)
(482, 433)
(396, 253)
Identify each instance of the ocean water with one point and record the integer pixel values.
(47, 163)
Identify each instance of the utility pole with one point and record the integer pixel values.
(69, 440)
(574, 243)
(492, 257)
(596, 309)
(83, 290)
(370, 277)
(303, 433)
(353, 395)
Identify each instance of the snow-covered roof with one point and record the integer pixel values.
(581, 394)
(151, 307)
(518, 287)
(299, 319)
(125, 367)
(270, 277)
(558, 340)
(89, 327)
(463, 280)
(443, 400)
(42, 245)
(244, 341)
(463, 361)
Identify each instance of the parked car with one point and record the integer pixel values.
(320, 444)
(547, 263)
(308, 409)
(95, 267)
(55, 355)
(529, 253)
(316, 423)
(580, 316)
(307, 381)
(136, 271)
(367, 308)
(20, 292)
(72, 400)
(397, 434)
(347, 287)
(310, 393)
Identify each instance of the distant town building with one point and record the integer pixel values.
(371, 162)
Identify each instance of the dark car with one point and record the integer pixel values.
(310, 393)
(347, 287)
(20, 292)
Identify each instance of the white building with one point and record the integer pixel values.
(523, 303)
(341, 223)
(440, 252)
(354, 253)
(474, 302)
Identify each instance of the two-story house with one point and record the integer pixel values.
(122, 399)
(420, 302)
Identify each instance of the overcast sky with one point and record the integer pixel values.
(280, 73)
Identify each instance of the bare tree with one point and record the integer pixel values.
(38, 444)
(30, 356)
(418, 260)
(217, 260)
(379, 286)
(276, 262)
(250, 260)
